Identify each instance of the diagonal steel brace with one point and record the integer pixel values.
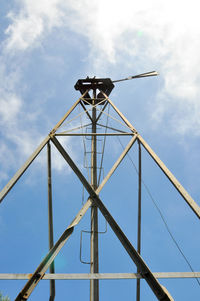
(40, 271)
(156, 287)
(21, 171)
(44, 265)
(193, 205)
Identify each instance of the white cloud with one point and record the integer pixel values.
(18, 140)
(9, 108)
(124, 34)
(23, 32)
(29, 24)
(150, 33)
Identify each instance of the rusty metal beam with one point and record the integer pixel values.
(40, 271)
(193, 205)
(144, 270)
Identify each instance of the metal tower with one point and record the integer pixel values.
(94, 100)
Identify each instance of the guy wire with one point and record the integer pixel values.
(162, 216)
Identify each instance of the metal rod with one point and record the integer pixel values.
(172, 178)
(158, 290)
(50, 220)
(94, 134)
(20, 172)
(94, 253)
(63, 276)
(147, 74)
(139, 217)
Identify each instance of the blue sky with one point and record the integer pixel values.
(45, 47)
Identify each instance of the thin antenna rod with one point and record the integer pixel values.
(147, 74)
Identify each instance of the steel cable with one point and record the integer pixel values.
(162, 217)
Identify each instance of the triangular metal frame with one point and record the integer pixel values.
(159, 291)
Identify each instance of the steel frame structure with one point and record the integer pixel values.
(95, 203)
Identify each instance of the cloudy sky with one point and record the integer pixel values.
(45, 47)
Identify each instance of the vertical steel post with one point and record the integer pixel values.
(50, 220)
(94, 256)
(139, 215)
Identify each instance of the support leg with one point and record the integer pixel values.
(172, 178)
(139, 216)
(50, 220)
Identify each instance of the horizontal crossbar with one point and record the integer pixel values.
(94, 134)
(101, 276)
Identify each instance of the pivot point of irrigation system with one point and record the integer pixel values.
(104, 85)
